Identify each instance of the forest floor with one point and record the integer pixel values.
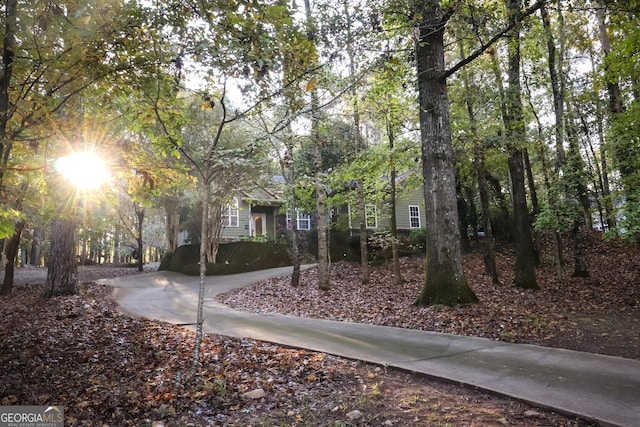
(109, 369)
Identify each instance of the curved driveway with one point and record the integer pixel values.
(601, 388)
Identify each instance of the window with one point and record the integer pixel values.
(414, 216)
(371, 216)
(233, 214)
(303, 221)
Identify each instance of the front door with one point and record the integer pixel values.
(259, 223)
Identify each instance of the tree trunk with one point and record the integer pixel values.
(577, 175)
(604, 170)
(535, 206)
(490, 267)
(364, 250)
(62, 266)
(206, 190)
(465, 212)
(214, 228)
(445, 282)
(625, 149)
(35, 257)
(140, 212)
(11, 246)
(525, 276)
(172, 217)
(8, 54)
(551, 200)
(321, 195)
(580, 268)
(397, 274)
(289, 172)
(117, 252)
(322, 226)
(295, 250)
(557, 86)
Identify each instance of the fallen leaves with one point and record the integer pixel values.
(109, 369)
(551, 316)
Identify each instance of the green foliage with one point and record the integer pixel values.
(418, 238)
(625, 139)
(561, 219)
(381, 243)
(338, 147)
(8, 219)
(628, 226)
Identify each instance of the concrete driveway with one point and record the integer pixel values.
(601, 388)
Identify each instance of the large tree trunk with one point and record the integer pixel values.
(62, 266)
(535, 206)
(11, 246)
(445, 282)
(525, 276)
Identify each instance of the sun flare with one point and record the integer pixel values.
(85, 170)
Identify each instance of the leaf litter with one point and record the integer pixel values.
(109, 369)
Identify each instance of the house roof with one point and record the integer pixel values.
(261, 195)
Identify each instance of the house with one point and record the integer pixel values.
(258, 213)
(252, 214)
(410, 212)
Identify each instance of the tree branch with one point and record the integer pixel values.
(527, 12)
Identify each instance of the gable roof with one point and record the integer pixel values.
(261, 196)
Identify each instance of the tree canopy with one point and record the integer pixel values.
(505, 127)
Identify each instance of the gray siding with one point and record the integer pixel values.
(407, 198)
(242, 231)
(411, 198)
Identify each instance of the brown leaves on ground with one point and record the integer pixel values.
(109, 369)
(597, 314)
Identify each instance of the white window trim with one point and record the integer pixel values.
(414, 216)
(367, 209)
(233, 213)
(301, 218)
